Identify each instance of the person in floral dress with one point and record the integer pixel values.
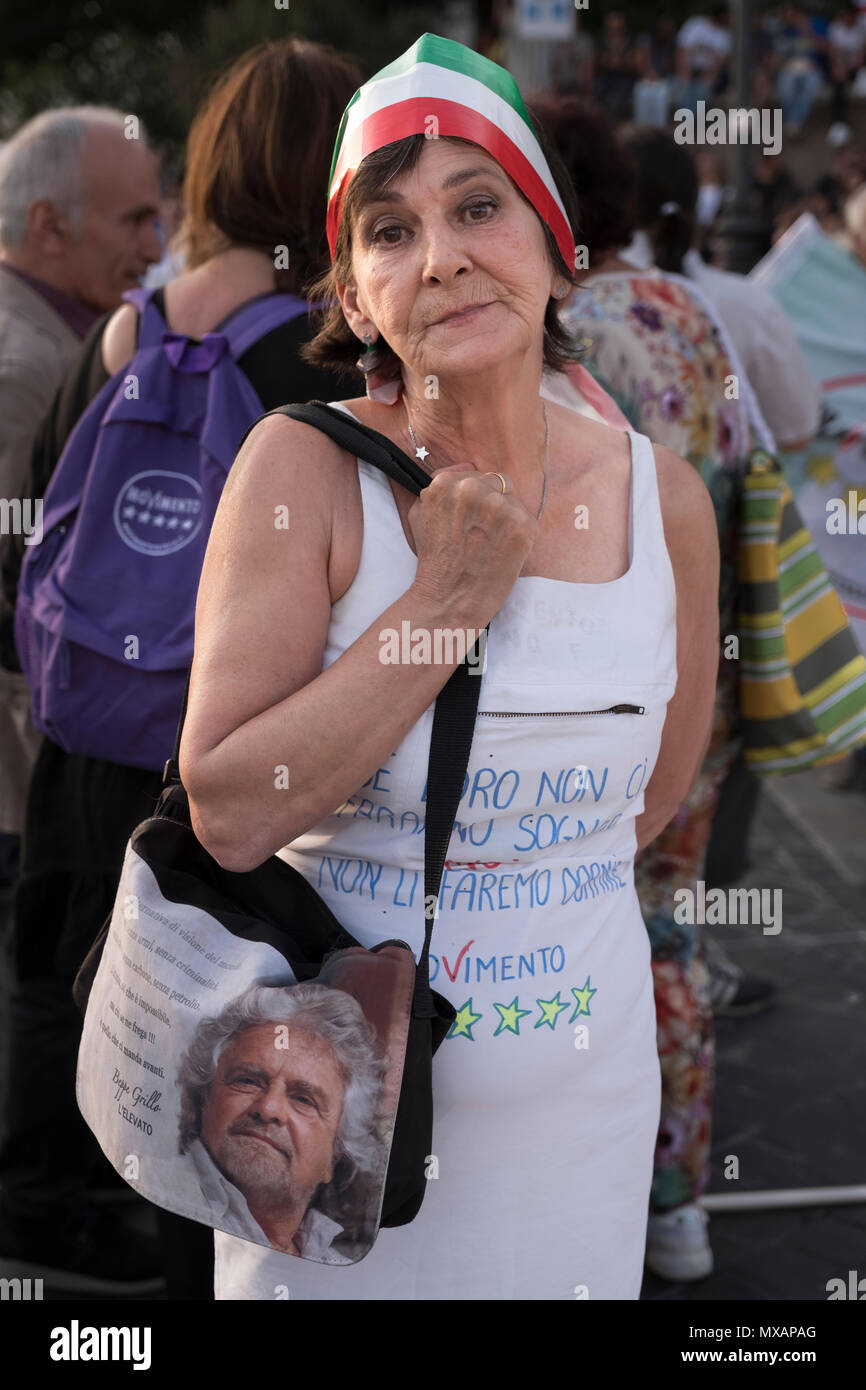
(657, 348)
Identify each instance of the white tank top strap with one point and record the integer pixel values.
(377, 497)
(386, 566)
(650, 560)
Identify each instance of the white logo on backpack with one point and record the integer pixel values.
(156, 516)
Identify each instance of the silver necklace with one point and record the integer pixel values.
(421, 453)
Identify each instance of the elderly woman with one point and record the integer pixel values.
(594, 559)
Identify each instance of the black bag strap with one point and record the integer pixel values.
(450, 746)
(366, 443)
(456, 704)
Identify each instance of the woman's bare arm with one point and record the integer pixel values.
(259, 699)
(691, 534)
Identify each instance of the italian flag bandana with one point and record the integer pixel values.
(470, 97)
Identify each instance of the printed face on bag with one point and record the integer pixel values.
(280, 1119)
(270, 1123)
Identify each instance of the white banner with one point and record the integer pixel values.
(822, 288)
(544, 19)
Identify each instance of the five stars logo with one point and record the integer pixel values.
(509, 1017)
(583, 997)
(464, 1022)
(550, 1011)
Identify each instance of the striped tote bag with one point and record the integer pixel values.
(802, 674)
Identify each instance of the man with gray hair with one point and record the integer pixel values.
(279, 1110)
(78, 203)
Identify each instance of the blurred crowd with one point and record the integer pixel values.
(810, 65)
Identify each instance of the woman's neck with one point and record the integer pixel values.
(240, 266)
(201, 298)
(607, 264)
(494, 427)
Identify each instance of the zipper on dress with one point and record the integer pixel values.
(557, 713)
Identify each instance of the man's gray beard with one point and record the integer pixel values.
(258, 1171)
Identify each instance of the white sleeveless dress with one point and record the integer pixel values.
(546, 1092)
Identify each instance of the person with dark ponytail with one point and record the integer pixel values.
(665, 200)
(665, 197)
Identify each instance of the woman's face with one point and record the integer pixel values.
(452, 232)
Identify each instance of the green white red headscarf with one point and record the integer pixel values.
(470, 97)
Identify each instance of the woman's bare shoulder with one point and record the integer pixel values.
(289, 468)
(280, 447)
(119, 338)
(588, 439)
(688, 513)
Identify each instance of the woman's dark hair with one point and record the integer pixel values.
(666, 194)
(601, 170)
(335, 345)
(259, 155)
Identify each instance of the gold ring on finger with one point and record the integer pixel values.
(503, 480)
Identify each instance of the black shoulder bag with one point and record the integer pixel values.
(198, 967)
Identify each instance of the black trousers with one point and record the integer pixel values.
(80, 814)
(727, 853)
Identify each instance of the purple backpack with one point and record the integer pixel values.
(106, 602)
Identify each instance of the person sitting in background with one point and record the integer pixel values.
(656, 61)
(797, 49)
(78, 204)
(703, 49)
(616, 67)
(248, 191)
(845, 55)
(657, 50)
(572, 66)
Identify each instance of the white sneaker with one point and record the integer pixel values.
(677, 1247)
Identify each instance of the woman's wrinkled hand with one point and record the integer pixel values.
(472, 540)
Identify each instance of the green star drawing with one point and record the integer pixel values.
(583, 997)
(550, 1009)
(509, 1017)
(464, 1022)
